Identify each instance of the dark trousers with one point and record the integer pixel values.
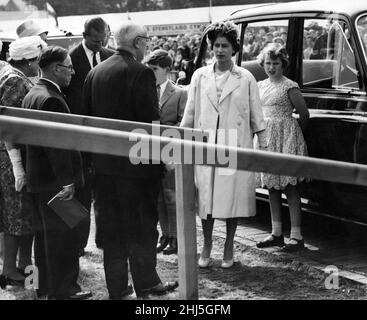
(167, 205)
(56, 252)
(128, 212)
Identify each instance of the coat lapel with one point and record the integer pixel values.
(168, 92)
(211, 89)
(231, 84)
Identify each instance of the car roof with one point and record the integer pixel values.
(350, 8)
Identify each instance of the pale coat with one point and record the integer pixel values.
(239, 107)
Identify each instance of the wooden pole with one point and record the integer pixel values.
(186, 232)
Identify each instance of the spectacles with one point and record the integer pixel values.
(144, 37)
(71, 68)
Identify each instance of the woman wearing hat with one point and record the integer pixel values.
(223, 99)
(16, 205)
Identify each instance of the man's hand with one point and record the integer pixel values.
(67, 193)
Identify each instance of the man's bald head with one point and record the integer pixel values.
(132, 37)
(126, 34)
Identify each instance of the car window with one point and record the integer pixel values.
(362, 31)
(259, 34)
(256, 36)
(328, 56)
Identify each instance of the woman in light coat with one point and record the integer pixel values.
(224, 100)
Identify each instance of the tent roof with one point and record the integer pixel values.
(158, 19)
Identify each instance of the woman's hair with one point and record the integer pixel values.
(274, 51)
(21, 63)
(225, 29)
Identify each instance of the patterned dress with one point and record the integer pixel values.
(283, 132)
(16, 208)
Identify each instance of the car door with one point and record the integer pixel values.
(331, 79)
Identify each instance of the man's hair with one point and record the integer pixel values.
(159, 58)
(51, 55)
(127, 32)
(97, 23)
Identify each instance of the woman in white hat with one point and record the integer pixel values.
(16, 205)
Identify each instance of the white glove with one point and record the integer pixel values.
(18, 170)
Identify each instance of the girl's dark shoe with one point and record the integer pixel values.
(163, 243)
(294, 245)
(171, 248)
(4, 281)
(271, 241)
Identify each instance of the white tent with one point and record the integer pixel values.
(162, 22)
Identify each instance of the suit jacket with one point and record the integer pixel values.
(124, 89)
(74, 93)
(172, 104)
(49, 169)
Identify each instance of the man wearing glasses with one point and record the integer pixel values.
(123, 88)
(54, 171)
(85, 56)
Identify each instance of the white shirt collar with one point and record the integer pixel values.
(55, 84)
(90, 53)
(163, 87)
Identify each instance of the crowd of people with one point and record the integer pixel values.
(133, 83)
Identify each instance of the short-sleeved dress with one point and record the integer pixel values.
(283, 132)
(16, 208)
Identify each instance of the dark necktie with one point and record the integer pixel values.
(159, 92)
(159, 95)
(94, 59)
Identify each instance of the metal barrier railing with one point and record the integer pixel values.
(117, 138)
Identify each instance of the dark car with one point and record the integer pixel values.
(66, 41)
(327, 46)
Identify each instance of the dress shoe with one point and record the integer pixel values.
(172, 247)
(160, 289)
(4, 281)
(294, 245)
(163, 242)
(203, 262)
(81, 252)
(227, 263)
(127, 292)
(271, 241)
(81, 295)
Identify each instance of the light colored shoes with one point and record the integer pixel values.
(227, 263)
(203, 262)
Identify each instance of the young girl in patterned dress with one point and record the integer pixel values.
(280, 96)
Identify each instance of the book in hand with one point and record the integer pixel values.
(72, 212)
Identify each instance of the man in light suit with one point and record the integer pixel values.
(172, 101)
(123, 88)
(53, 171)
(84, 57)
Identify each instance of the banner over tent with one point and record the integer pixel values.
(159, 23)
